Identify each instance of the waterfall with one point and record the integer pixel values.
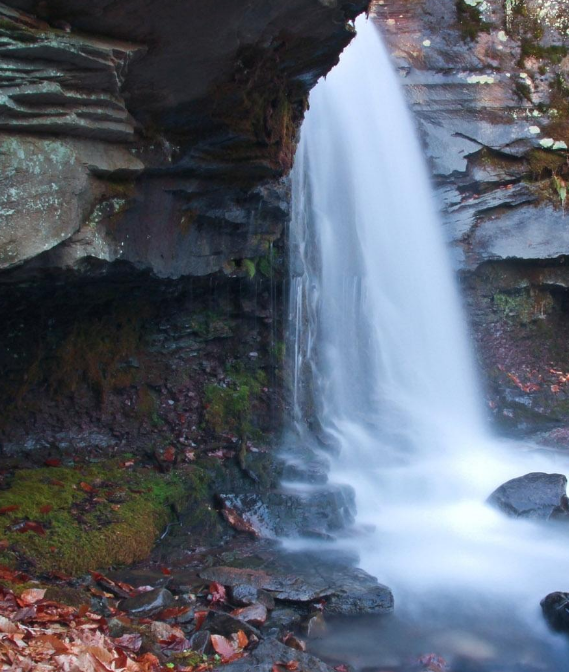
(382, 359)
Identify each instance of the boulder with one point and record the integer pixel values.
(537, 495)
(272, 652)
(555, 609)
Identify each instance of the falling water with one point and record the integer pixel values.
(383, 361)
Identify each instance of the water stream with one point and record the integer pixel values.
(383, 361)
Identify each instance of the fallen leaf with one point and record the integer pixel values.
(131, 642)
(238, 522)
(8, 509)
(222, 646)
(216, 593)
(32, 595)
(165, 571)
(86, 487)
(46, 508)
(29, 526)
(52, 462)
(169, 455)
(199, 618)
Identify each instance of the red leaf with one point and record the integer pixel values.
(222, 646)
(52, 462)
(29, 526)
(165, 571)
(216, 593)
(238, 522)
(8, 574)
(131, 642)
(8, 509)
(169, 455)
(46, 508)
(59, 484)
(86, 487)
(199, 618)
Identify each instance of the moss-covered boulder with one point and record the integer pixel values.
(75, 519)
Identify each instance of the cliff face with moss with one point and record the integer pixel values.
(144, 149)
(488, 82)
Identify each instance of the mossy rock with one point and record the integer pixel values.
(90, 517)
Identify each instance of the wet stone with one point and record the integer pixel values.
(149, 602)
(537, 496)
(271, 652)
(256, 614)
(225, 624)
(282, 621)
(201, 642)
(246, 595)
(555, 609)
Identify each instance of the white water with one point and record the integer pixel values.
(381, 332)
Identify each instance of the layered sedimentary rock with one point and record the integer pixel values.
(191, 117)
(144, 149)
(487, 82)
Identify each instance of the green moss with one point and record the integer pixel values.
(470, 20)
(523, 90)
(250, 267)
(83, 529)
(208, 325)
(545, 163)
(524, 306)
(228, 406)
(554, 53)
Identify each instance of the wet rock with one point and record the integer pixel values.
(200, 642)
(149, 602)
(555, 609)
(290, 513)
(309, 578)
(282, 621)
(256, 614)
(227, 625)
(246, 595)
(537, 496)
(270, 652)
(315, 626)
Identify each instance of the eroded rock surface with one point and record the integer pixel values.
(489, 89)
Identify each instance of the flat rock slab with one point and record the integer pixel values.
(271, 652)
(307, 578)
(537, 496)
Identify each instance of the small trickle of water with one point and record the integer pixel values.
(382, 357)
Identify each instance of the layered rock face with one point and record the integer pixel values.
(488, 84)
(144, 148)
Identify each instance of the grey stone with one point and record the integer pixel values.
(270, 652)
(149, 602)
(246, 595)
(537, 495)
(555, 608)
